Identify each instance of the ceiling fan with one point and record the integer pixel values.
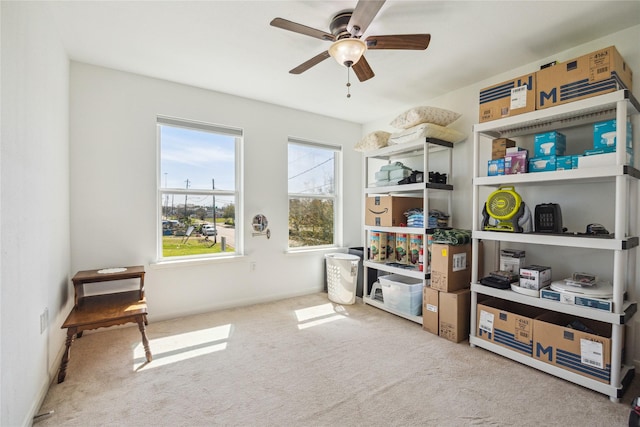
(348, 49)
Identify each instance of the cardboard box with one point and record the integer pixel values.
(564, 163)
(585, 353)
(388, 211)
(415, 243)
(391, 247)
(516, 162)
(549, 144)
(377, 246)
(596, 160)
(508, 98)
(604, 134)
(495, 167)
(535, 277)
(430, 311)
(542, 164)
(596, 73)
(450, 267)
(455, 308)
(499, 147)
(603, 304)
(401, 250)
(601, 150)
(507, 324)
(512, 260)
(575, 160)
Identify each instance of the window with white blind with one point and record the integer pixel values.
(314, 185)
(198, 189)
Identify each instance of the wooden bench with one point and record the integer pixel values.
(103, 310)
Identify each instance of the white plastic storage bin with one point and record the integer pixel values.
(342, 277)
(402, 293)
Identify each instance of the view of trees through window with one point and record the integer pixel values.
(312, 194)
(197, 189)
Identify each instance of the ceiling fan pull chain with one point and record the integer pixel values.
(348, 83)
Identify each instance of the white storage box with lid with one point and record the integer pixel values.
(402, 293)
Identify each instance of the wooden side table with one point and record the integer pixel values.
(103, 310)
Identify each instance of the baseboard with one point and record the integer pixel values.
(52, 375)
(233, 304)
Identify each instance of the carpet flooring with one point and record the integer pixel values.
(305, 361)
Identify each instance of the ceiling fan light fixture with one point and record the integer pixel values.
(347, 51)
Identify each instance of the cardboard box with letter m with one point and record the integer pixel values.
(578, 345)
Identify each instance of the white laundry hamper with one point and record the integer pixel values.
(342, 277)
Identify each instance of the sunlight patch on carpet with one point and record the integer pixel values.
(318, 315)
(179, 347)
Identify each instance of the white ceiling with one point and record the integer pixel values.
(229, 46)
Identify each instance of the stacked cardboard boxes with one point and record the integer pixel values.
(596, 73)
(447, 302)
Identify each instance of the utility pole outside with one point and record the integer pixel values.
(215, 226)
(186, 215)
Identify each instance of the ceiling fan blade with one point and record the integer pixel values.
(310, 63)
(362, 70)
(362, 16)
(301, 29)
(400, 41)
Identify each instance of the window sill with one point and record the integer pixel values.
(191, 262)
(307, 251)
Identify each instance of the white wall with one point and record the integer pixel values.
(580, 205)
(114, 201)
(93, 203)
(34, 196)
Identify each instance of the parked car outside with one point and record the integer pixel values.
(209, 230)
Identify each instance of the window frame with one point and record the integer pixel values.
(336, 197)
(236, 194)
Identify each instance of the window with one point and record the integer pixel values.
(314, 194)
(198, 189)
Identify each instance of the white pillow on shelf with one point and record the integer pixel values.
(418, 115)
(426, 130)
(372, 141)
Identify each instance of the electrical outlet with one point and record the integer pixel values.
(252, 266)
(44, 320)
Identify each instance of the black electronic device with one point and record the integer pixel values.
(596, 229)
(500, 279)
(548, 218)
